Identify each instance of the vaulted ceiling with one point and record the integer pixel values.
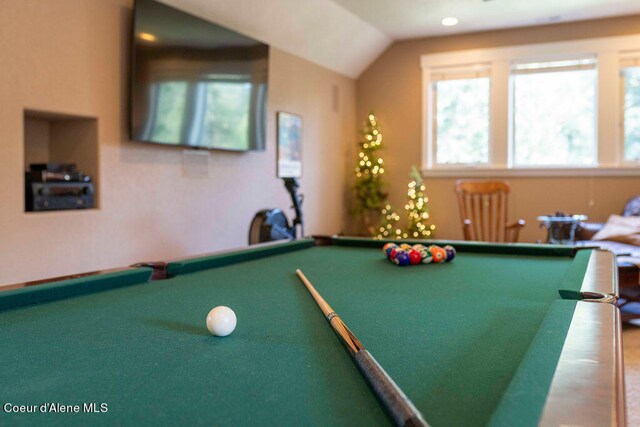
(402, 19)
(347, 35)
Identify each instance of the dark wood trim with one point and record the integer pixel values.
(159, 269)
(323, 240)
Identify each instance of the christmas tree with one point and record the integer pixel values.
(417, 212)
(370, 196)
(389, 226)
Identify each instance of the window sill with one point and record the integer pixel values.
(530, 172)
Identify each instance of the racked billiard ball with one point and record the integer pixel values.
(427, 256)
(451, 252)
(415, 257)
(439, 254)
(402, 258)
(386, 249)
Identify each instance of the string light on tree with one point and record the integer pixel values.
(369, 186)
(418, 225)
(389, 226)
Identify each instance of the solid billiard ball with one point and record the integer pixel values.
(221, 321)
(414, 257)
(405, 246)
(402, 258)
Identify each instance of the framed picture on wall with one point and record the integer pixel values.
(289, 137)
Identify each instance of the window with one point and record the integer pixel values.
(631, 109)
(569, 108)
(554, 113)
(461, 119)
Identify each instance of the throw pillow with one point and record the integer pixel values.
(623, 229)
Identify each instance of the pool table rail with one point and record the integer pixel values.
(65, 278)
(602, 274)
(13, 297)
(166, 269)
(587, 388)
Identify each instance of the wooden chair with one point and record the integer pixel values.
(484, 211)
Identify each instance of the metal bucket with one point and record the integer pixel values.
(561, 228)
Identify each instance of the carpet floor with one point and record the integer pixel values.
(631, 344)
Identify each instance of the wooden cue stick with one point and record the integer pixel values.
(397, 404)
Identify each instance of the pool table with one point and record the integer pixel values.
(503, 335)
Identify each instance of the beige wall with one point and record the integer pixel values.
(70, 56)
(391, 88)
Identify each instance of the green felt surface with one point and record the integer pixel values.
(523, 401)
(452, 336)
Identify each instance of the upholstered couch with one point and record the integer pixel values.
(628, 272)
(587, 230)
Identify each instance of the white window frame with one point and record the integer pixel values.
(609, 134)
(628, 59)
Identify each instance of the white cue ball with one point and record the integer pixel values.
(221, 321)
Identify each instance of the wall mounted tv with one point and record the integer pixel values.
(195, 83)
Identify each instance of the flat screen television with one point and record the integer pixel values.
(195, 83)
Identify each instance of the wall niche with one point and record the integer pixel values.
(60, 140)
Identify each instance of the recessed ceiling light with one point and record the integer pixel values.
(147, 37)
(450, 21)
